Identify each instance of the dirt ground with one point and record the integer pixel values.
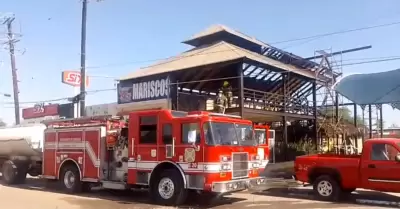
(35, 195)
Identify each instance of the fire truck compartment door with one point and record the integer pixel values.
(94, 150)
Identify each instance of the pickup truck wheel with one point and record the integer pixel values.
(326, 188)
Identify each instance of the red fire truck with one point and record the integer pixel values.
(167, 151)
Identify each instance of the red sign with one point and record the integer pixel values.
(73, 78)
(39, 111)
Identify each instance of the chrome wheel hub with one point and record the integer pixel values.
(69, 179)
(325, 188)
(166, 188)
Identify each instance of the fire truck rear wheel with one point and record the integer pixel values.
(13, 173)
(70, 179)
(168, 188)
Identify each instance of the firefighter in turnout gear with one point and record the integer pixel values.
(227, 92)
(224, 97)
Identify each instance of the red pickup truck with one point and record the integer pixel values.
(377, 168)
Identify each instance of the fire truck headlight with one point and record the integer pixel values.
(225, 167)
(256, 157)
(225, 158)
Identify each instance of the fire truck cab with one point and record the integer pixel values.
(169, 152)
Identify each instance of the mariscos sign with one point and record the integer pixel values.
(73, 78)
(143, 89)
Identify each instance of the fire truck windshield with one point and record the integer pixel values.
(219, 133)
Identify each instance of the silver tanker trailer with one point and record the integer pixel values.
(21, 150)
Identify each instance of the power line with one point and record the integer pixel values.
(372, 58)
(314, 37)
(61, 99)
(367, 62)
(338, 32)
(290, 40)
(196, 81)
(379, 59)
(186, 82)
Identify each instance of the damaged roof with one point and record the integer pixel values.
(219, 52)
(222, 28)
(219, 43)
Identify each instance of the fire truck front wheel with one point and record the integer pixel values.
(168, 188)
(70, 179)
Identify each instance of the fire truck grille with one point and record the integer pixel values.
(240, 165)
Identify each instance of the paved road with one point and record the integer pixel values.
(35, 195)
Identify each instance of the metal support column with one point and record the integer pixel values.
(241, 88)
(355, 123)
(284, 119)
(381, 119)
(370, 120)
(363, 124)
(315, 126)
(177, 95)
(337, 118)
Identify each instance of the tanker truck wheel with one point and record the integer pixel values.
(13, 173)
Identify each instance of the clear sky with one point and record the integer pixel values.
(123, 34)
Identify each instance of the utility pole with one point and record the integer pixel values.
(83, 59)
(11, 42)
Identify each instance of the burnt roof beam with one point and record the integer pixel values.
(301, 89)
(198, 76)
(307, 94)
(262, 74)
(304, 92)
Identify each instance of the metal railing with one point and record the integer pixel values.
(275, 102)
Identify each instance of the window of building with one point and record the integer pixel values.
(148, 130)
(190, 133)
(383, 152)
(167, 133)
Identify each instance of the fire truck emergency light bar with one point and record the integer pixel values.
(82, 120)
(225, 115)
(213, 114)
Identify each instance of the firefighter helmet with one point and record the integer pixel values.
(226, 83)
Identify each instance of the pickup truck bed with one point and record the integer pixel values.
(308, 168)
